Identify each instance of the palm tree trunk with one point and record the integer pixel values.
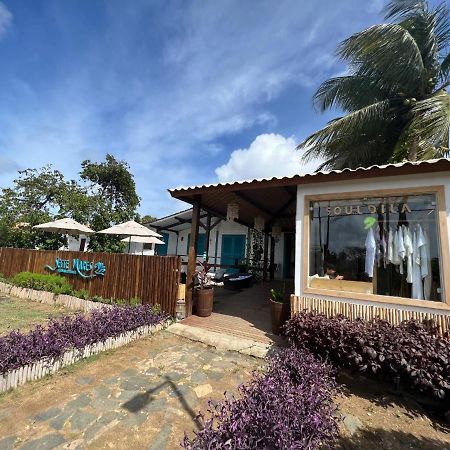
(414, 150)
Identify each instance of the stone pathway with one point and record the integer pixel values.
(143, 396)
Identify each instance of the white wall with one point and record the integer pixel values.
(223, 228)
(398, 182)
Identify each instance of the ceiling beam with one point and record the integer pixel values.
(253, 203)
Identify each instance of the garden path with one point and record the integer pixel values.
(142, 396)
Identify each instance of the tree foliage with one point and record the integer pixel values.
(395, 93)
(104, 195)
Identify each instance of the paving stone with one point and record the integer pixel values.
(129, 373)
(203, 390)
(80, 401)
(156, 405)
(214, 375)
(7, 443)
(59, 421)
(93, 430)
(105, 404)
(44, 443)
(352, 423)
(85, 380)
(175, 376)
(199, 377)
(152, 371)
(135, 384)
(81, 420)
(47, 414)
(108, 417)
(135, 419)
(102, 391)
(112, 380)
(162, 438)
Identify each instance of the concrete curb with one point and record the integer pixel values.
(221, 341)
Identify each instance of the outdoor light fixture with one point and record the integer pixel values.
(232, 212)
(276, 231)
(260, 222)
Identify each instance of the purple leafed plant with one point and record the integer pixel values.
(411, 355)
(18, 349)
(290, 405)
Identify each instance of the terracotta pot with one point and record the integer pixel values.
(279, 314)
(204, 301)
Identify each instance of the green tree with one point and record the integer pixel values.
(111, 188)
(147, 218)
(36, 197)
(395, 98)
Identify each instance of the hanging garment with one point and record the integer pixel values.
(371, 247)
(390, 244)
(384, 248)
(395, 255)
(408, 244)
(417, 287)
(400, 247)
(425, 266)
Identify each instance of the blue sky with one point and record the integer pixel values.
(187, 92)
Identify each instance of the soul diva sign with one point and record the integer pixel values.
(85, 269)
(368, 209)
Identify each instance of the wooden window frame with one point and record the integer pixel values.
(439, 191)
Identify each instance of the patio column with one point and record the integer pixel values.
(265, 257)
(207, 235)
(272, 258)
(192, 254)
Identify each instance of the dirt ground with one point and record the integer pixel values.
(23, 315)
(147, 394)
(375, 418)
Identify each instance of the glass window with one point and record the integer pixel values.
(380, 245)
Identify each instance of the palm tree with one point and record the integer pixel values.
(395, 98)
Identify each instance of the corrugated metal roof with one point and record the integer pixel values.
(311, 175)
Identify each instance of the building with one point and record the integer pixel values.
(227, 245)
(383, 230)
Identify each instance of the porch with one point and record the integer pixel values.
(244, 314)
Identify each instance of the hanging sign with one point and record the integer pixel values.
(232, 212)
(368, 209)
(85, 269)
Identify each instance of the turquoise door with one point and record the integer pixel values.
(161, 249)
(200, 244)
(233, 251)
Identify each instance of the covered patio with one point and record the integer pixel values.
(244, 314)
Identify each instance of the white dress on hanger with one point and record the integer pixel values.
(371, 247)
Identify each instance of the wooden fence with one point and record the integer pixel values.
(153, 279)
(367, 312)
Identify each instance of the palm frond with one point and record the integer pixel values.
(342, 135)
(445, 68)
(402, 9)
(430, 124)
(388, 54)
(350, 93)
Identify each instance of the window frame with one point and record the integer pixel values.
(439, 191)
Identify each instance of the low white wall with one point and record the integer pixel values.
(47, 366)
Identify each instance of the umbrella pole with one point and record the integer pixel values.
(129, 245)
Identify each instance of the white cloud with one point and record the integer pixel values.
(5, 19)
(269, 155)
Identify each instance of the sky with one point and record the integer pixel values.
(187, 92)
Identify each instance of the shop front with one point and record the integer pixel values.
(368, 242)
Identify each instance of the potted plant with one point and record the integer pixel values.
(203, 291)
(279, 309)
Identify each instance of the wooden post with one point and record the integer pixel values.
(207, 235)
(272, 257)
(265, 257)
(192, 255)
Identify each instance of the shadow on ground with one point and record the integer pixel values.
(140, 401)
(379, 439)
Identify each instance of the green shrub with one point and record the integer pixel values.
(82, 293)
(134, 301)
(52, 283)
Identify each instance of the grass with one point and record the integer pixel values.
(23, 315)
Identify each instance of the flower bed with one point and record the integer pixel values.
(290, 405)
(68, 339)
(410, 355)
